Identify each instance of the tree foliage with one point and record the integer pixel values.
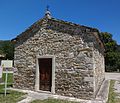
(112, 53)
(7, 48)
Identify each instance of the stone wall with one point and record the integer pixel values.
(99, 70)
(74, 60)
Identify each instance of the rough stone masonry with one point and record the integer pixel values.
(78, 53)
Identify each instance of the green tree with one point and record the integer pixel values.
(109, 43)
(1, 52)
(112, 61)
(112, 54)
(8, 49)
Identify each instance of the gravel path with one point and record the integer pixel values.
(116, 77)
(112, 76)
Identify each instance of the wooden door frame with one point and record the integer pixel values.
(37, 79)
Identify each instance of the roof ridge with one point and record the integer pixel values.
(74, 24)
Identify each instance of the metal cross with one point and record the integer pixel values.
(48, 7)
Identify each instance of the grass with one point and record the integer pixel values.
(52, 101)
(112, 95)
(10, 77)
(12, 96)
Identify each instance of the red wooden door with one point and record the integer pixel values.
(45, 70)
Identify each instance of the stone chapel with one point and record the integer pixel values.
(59, 57)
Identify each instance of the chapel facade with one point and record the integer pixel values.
(59, 57)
